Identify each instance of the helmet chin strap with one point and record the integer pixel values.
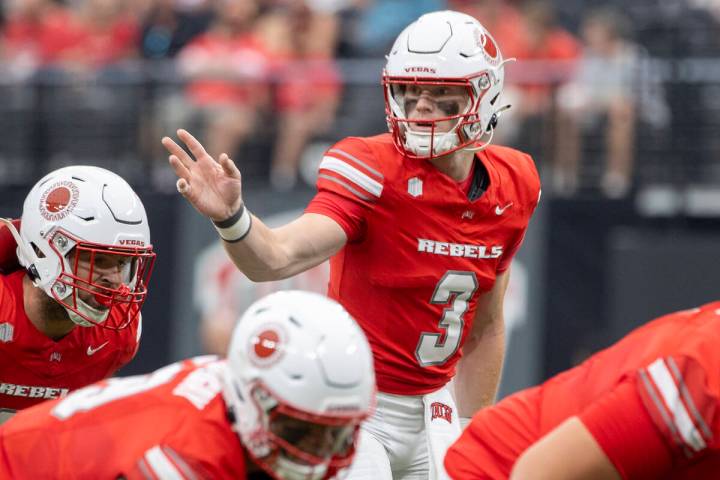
(482, 146)
(419, 142)
(25, 252)
(97, 315)
(493, 122)
(290, 470)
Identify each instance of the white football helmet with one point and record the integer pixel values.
(450, 49)
(299, 382)
(76, 220)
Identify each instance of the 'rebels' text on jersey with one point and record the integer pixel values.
(35, 368)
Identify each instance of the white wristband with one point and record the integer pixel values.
(464, 422)
(236, 227)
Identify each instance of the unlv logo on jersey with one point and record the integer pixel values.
(266, 346)
(6, 332)
(415, 187)
(58, 200)
(440, 410)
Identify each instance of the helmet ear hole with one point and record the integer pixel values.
(39, 253)
(492, 123)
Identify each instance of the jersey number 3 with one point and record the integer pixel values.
(456, 288)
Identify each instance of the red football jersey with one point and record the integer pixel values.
(33, 367)
(8, 257)
(171, 423)
(419, 252)
(651, 401)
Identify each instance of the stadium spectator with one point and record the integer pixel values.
(302, 42)
(376, 23)
(421, 224)
(21, 33)
(545, 61)
(227, 69)
(500, 17)
(71, 315)
(647, 407)
(167, 27)
(92, 35)
(608, 93)
(288, 401)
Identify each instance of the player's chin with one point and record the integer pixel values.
(92, 302)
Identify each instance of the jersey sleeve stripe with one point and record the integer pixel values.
(179, 462)
(337, 151)
(353, 174)
(687, 398)
(161, 465)
(145, 470)
(345, 185)
(660, 407)
(663, 380)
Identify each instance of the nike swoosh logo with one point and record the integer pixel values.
(500, 210)
(92, 351)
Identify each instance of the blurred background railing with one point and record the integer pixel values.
(617, 102)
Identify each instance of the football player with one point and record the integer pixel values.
(647, 407)
(71, 315)
(289, 400)
(421, 223)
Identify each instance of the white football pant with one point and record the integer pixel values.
(406, 438)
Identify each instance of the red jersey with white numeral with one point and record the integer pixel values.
(34, 368)
(171, 423)
(419, 253)
(651, 401)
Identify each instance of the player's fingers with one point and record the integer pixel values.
(193, 144)
(178, 151)
(183, 187)
(180, 169)
(229, 166)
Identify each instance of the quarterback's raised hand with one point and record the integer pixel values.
(213, 187)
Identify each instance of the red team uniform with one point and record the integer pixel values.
(171, 423)
(34, 368)
(420, 251)
(651, 401)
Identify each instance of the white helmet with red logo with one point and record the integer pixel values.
(299, 382)
(444, 48)
(73, 219)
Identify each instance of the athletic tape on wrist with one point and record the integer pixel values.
(236, 227)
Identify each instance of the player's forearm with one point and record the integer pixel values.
(569, 452)
(479, 370)
(260, 255)
(271, 254)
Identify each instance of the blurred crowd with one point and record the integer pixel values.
(248, 72)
